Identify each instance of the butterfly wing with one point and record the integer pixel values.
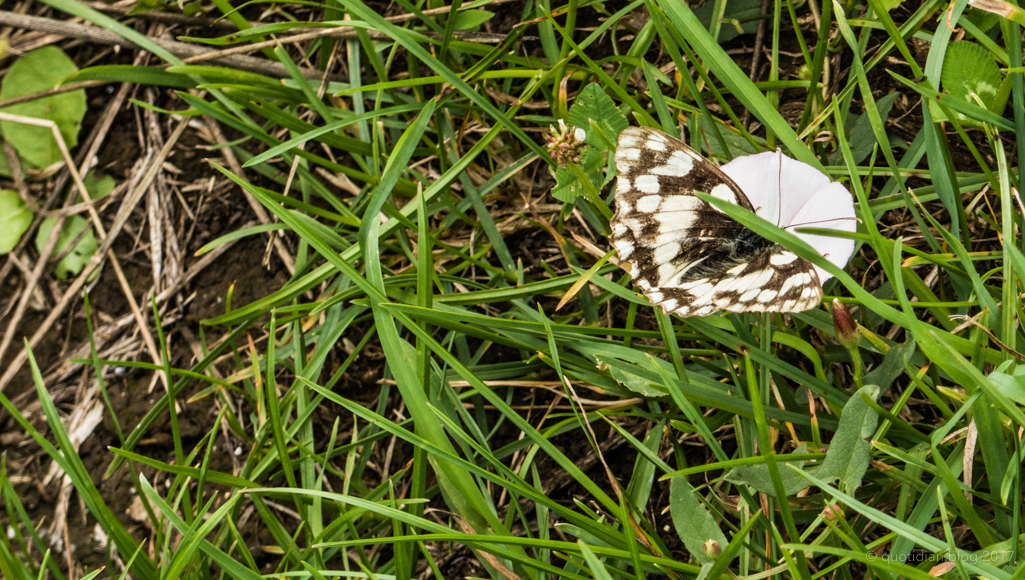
(685, 254)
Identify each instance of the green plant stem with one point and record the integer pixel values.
(859, 366)
(592, 193)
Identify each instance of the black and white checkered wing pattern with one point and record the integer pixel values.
(684, 254)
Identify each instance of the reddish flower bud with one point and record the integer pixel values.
(847, 332)
(566, 144)
(833, 512)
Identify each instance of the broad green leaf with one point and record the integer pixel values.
(892, 366)
(757, 476)
(77, 258)
(859, 130)
(693, 523)
(15, 218)
(98, 187)
(1009, 386)
(737, 145)
(890, 4)
(568, 187)
(592, 104)
(742, 13)
(41, 70)
(871, 320)
(849, 452)
(970, 70)
(471, 19)
(983, 19)
(635, 383)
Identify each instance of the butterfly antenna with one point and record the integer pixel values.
(820, 222)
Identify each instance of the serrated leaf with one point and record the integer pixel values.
(1003, 94)
(969, 68)
(568, 187)
(849, 452)
(41, 70)
(471, 19)
(592, 104)
(982, 19)
(77, 258)
(691, 519)
(757, 476)
(15, 218)
(892, 366)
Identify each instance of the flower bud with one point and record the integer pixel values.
(847, 332)
(566, 144)
(712, 549)
(833, 512)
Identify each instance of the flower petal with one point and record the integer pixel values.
(831, 207)
(776, 185)
(794, 194)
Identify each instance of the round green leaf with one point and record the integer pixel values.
(15, 218)
(970, 68)
(77, 258)
(41, 70)
(592, 104)
(98, 186)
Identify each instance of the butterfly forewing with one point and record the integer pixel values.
(685, 254)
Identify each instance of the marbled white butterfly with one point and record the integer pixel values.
(690, 258)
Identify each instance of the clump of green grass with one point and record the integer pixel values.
(730, 445)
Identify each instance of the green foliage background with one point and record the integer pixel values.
(921, 452)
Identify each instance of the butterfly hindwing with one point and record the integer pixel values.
(772, 282)
(685, 254)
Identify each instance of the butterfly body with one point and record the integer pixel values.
(689, 257)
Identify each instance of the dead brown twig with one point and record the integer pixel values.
(233, 57)
(180, 49)
(97, 223)
(73, 290)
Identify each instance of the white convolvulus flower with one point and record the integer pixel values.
(793, 194)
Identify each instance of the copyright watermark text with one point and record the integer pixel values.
(917, 557)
